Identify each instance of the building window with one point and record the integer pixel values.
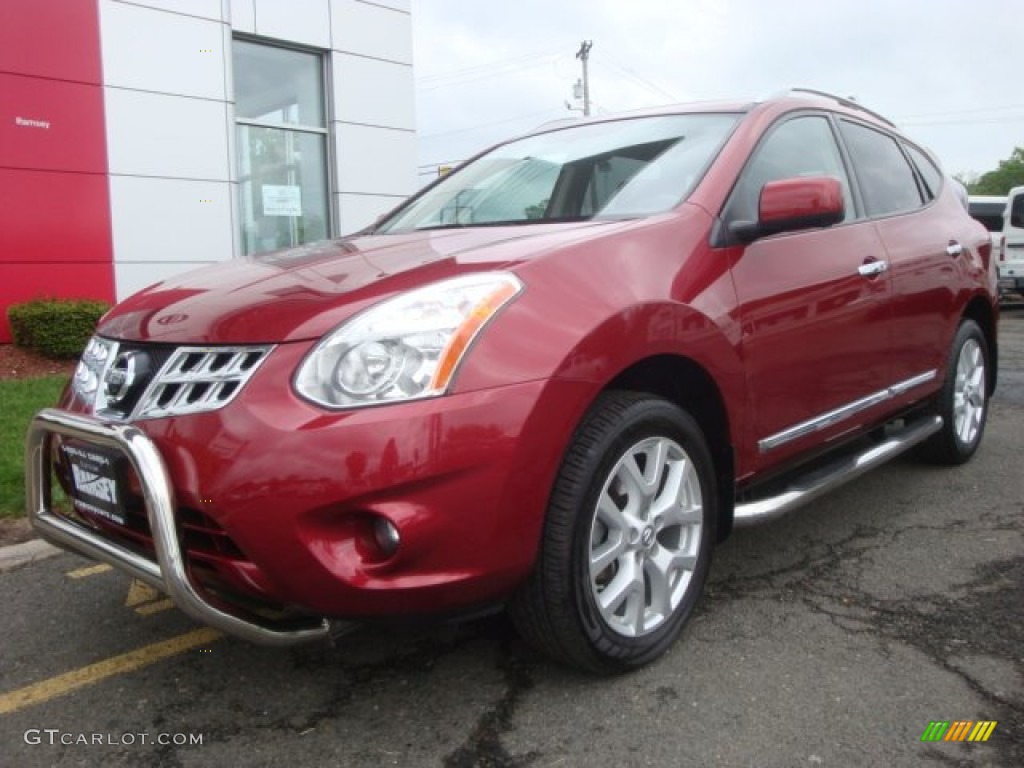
(282, 146)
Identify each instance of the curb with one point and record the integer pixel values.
(17, 555)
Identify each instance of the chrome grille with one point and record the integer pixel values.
(197, 379)
(123, 381)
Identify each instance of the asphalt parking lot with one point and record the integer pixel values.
(832, 637)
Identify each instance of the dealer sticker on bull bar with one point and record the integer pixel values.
(94, 478)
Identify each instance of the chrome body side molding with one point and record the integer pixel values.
(833, 417)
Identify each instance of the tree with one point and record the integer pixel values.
(1010, 173)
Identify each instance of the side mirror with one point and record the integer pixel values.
(789, 205)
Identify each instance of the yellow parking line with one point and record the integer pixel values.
(148, 609)
(101, 670)
(89, 570)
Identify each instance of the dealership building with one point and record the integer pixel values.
(141, 139)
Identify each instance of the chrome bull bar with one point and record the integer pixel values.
(169, 573)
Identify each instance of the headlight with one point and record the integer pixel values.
(91, 366)
(405, 348)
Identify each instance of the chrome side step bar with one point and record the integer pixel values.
(819, 481)
(169, 573)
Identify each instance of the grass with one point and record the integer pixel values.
(19, 401)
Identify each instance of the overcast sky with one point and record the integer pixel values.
(947, 72)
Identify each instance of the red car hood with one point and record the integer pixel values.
(303, 292)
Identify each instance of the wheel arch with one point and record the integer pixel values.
(980, 310)
(688, 385)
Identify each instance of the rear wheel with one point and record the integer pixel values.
(963, 400)
(627, 539)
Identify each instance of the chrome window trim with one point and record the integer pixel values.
(833, 417)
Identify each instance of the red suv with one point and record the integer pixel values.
(552, 380)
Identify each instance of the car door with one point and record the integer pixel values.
(813, 304)
(928, 244)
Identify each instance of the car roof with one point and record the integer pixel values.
(785, 101)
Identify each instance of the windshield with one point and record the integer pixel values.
(621, 169)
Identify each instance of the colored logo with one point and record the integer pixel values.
(958, 730)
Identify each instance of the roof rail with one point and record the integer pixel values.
(850, 103)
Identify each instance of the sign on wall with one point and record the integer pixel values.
(279, 200)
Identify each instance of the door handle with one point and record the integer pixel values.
(954, 249)
(872, 268)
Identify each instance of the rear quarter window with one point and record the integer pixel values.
(886, 179)
(931, 177)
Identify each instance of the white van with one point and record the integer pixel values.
(1011, 251)
(989, 210)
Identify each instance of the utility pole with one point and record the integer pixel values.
(583, 54)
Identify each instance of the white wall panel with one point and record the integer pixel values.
(371, 30)
(166, 220)
(398, 5)
(157, 135)
(375, 160)
(156, 51)
(358, 211)
(170, 124)
(131, 278)
(373, 92)
(243, 16)
(299, 21)
(208, 9)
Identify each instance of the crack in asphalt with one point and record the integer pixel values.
(987, 620)
(355, 681)
(483, 747)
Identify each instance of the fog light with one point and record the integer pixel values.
(386, 536)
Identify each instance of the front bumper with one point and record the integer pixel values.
(169, 573)
(283, 490)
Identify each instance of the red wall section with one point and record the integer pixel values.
(51, 38)
(55, 237)
(53, 217)
(22, 282)
(52, 125)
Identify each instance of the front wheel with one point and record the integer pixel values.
(963, 400)
(627, 538)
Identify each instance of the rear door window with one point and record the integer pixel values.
(886, 179)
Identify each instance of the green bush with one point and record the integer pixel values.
(58, 328)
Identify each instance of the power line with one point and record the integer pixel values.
(629, 72)
(483, 72)
(953, 112)
(489, 65)
(481, 76)
(968, 121)
(490, 124)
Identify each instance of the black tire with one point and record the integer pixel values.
(963, 400)
(557, 609)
